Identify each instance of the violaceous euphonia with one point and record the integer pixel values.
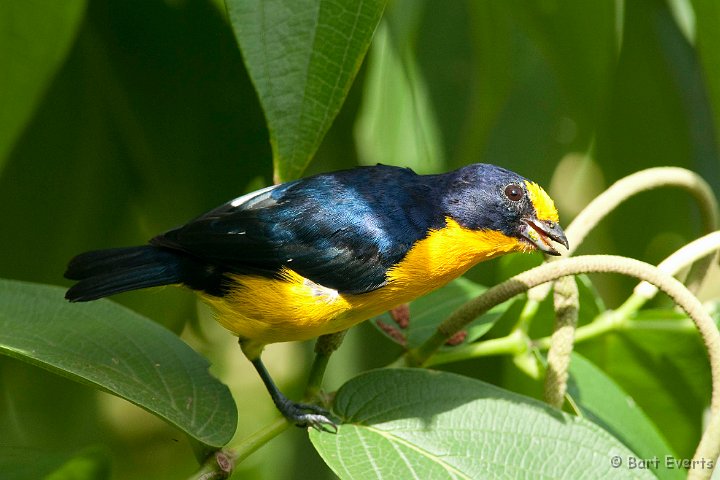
(318, 255)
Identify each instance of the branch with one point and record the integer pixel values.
(221, 463)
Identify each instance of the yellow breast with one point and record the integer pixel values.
(263, 310)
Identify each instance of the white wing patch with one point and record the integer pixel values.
(247, 199)
(329, 295)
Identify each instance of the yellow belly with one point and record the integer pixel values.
(262, 310)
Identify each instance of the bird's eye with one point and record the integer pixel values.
(514, 192)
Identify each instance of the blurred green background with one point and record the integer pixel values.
(123, 118)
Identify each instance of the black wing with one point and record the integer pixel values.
(342, 230)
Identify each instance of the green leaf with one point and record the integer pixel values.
(601, 400)
(396, 124)
(116, 350)
(402, 423)
(663, 368)
(427, 312)
(35, 37)
(302, 56)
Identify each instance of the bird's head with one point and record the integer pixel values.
(487, 197)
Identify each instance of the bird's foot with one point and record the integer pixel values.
(307, 415)
(301, 414)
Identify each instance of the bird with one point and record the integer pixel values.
(315, 256)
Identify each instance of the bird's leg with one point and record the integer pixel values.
(301, 414)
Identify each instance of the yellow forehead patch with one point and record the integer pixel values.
(544, 206)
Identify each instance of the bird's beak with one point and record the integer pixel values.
(540, 232)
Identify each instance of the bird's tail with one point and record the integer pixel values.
(101, 273)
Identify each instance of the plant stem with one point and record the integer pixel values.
(418, 356)
(324, 348)
(679, 325)
(317, 372)
(218, 466)
(513, 344)
(527, 314)
(516, 342)
(250, 444)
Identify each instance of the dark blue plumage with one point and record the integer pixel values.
(345, 229)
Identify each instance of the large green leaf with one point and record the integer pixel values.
(35, 37)
(116, 350)
(601, 400)
(302, 56)
(402, 423)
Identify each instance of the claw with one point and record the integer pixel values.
(306, 415)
